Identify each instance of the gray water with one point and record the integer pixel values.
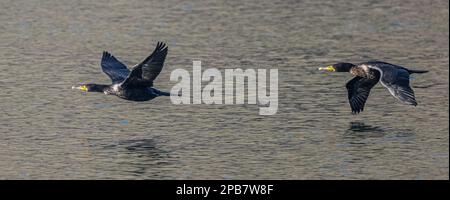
(48, 131)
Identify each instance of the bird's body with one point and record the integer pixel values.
(134, 85)
(135, 93)
(395, 78)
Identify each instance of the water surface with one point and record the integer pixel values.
(49, 131)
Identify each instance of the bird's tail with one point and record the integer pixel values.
(411, 71)
(161, 93)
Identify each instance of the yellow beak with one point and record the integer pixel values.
(82, 88)
(329, 69)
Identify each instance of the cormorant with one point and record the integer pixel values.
(134, 85)
(395, 78)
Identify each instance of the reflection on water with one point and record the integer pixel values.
(49, 131)
(362, 127)
(139, 156)
(143, 146)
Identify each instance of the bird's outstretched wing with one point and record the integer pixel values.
(144, 73)
(396, 80)
(358, 91)
(112, 67)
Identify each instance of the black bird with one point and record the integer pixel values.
(134, 85)
(395, 78)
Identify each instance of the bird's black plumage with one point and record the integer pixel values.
(358, 91)
(395, 78)
(135, 85)
(145, 72)
(112, 67)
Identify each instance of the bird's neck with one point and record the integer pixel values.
(98, 88)
(350, 68)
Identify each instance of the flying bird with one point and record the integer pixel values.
(395, 78)
(134, 85)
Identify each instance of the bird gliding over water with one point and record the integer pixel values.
(394, 78)
(134, 85)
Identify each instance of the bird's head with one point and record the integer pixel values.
(90, 87)
(338, 67)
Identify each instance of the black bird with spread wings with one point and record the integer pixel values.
(134, 85)
(394, 78)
